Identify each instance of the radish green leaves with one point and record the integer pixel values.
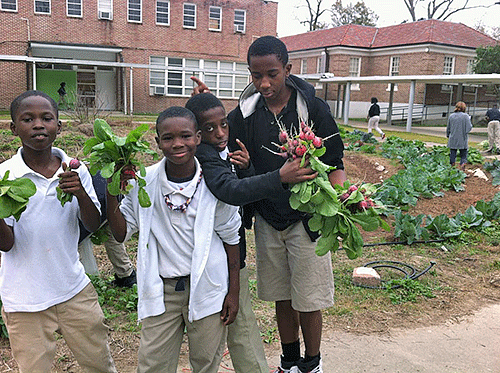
(112, 154)
(14, 196)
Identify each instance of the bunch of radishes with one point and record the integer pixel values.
(358, 199)
(293, 146)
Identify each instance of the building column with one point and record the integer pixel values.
(410, 106)
(347, 99)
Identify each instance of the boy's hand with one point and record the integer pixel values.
(230, 308)
(240, 158)
(69, 182)
(200, 88)
(292, 173)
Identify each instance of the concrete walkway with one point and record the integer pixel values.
(440, 131)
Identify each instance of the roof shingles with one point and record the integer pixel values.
(428, 31)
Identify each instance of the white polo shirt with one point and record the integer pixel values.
(43, 269)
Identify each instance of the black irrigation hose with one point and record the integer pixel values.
(401, 242)
(408, 271)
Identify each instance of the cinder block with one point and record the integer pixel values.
(365, 276)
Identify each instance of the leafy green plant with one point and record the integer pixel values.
(407, 290)
(494, 169)
(3, 328)
(410, 228)
(111, 154)
(442, 226)
(14, 195)
(471, 218)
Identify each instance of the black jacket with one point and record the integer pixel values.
(253, 124)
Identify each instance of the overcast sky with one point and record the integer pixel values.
(390, 12)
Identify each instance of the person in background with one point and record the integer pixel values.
(125, 275)
(188, 255)
(62, 95)
(374, 118)
(493, 117)
(457, 131)
(43, 285)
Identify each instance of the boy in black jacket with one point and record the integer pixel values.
(220, 168)
(288, 270)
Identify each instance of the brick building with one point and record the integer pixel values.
(429, 47)
(129, 55)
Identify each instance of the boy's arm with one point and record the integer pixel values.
(337, 177)
(70, 182)
(116, 221)
(6, 236)
(231, 302)
(226, 186)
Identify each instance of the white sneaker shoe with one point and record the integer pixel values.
(304, 367)
(287, 367)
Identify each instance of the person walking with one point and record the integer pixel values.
(493, 117)
(374, 118)
(457, 131)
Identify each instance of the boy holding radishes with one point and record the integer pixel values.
(288, 270)
(188, 255)
(43, 285)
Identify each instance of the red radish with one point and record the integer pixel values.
(129, 172)
(318, 142)
(74, 164)
(363, 205)
(343, 197)
(300, 150)
(302, 135)
(283, 137)
(352, 188)
(310, 135)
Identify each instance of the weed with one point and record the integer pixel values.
(270, 335)
(407, 290)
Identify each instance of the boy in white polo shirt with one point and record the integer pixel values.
(188, 254)
(43, 285)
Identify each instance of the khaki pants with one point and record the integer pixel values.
(289, 269)
(494, 134)
(243, 336)
(161, 336)
(79, 320)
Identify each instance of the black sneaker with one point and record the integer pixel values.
(126, 282)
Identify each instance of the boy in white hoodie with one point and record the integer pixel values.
(188, 255)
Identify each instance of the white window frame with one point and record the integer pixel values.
(105, 7)
(47, 2)
(163, 12)
(226, 79)
(471, 62)
(210, 18)
(394, 70)
(303, 66)
(132, 9)
(76, 2)
(355, 71)
(240, 26)
(6, 4)
(448, 69)
(189, 7)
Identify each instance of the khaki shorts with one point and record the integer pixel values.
(289, 269)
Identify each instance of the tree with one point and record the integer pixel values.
(315, 12)
(487, 60)
(358, 14)
(441, 9)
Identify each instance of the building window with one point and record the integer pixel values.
(189, 15)
(224, 78)
(471, 63)
(394, 71)
(135, 11)
(8, 5)
(448, 69)
(163, 12)
(355, 70)
(74, 8)
(303, 66)
(42, 6)
(105, 9)
(215, 18)
(449, 65)
(240, 20)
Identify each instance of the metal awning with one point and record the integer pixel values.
(471, 79)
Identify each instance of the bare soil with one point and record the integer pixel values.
(467, 280)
